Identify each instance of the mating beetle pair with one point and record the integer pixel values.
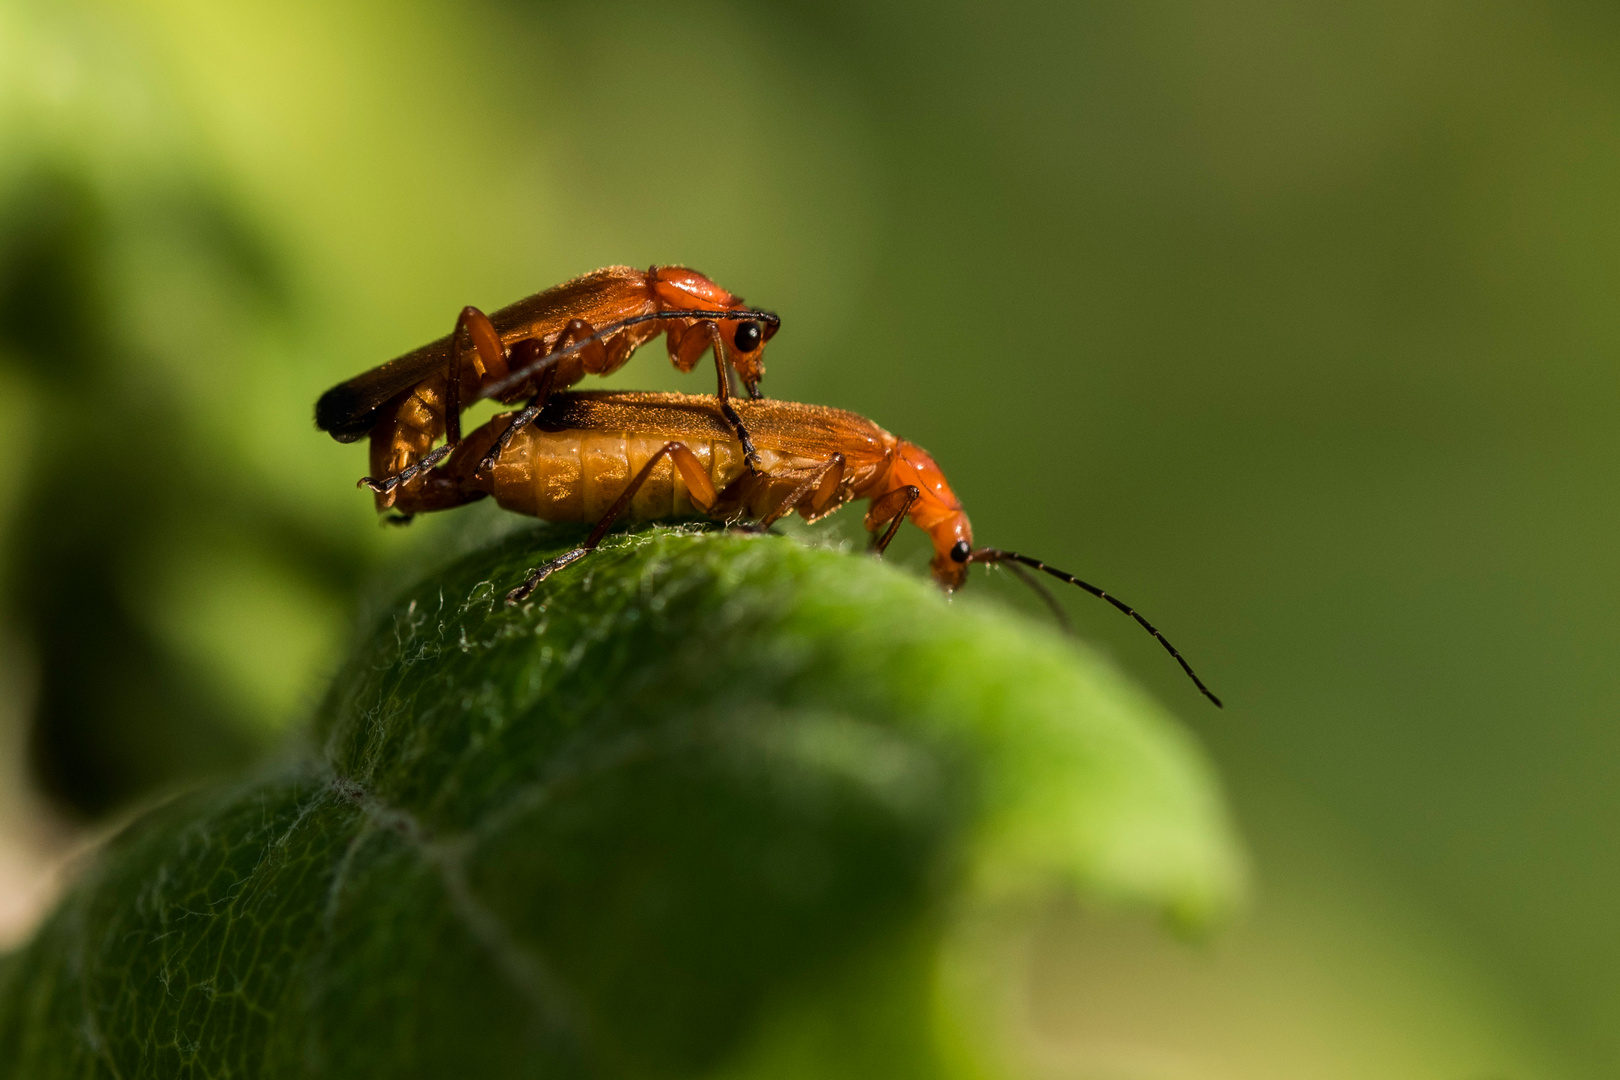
(605, 457)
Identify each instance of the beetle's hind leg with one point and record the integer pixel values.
(452, 484)
(548, 378)
(488, 360)
(390, 483)
(698, 485)
(812, 495)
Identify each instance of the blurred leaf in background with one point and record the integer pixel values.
(1293, 324)
(122, 505)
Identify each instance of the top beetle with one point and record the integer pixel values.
(588, 326)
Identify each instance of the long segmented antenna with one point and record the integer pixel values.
(996, 555)
(518, 376)
(1045, 594)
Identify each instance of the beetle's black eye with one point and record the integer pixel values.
(960, 552)
(748, 336)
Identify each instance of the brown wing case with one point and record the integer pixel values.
(350, 409)
(811, 431)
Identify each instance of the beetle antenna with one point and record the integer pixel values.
(1012, 558)
(518, 375)
(1044, 593)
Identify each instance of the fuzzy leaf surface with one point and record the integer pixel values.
(702, 798)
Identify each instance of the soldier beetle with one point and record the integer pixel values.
(588, 326)
(603, 457)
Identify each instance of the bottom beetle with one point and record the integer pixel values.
(605, 456)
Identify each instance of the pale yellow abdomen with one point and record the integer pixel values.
(576, 475)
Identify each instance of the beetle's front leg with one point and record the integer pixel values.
(890, 509)
(686, 347)
(750, 455)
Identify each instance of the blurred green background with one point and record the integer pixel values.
(1292, 323)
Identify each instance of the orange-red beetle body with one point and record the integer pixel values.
(586, 448)
(604, 457)
(588, 326)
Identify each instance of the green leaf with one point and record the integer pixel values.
(706, 804)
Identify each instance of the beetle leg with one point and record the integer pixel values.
(829, 485)
(530, 357)
(593, 354)
(448, 486)
(688, 341)
(890, 508)
(529, 354)
(547, 377)
(818, 487)
(488, 360)
(698, 485)
(406, 475)
(750, 455)
(437, 492)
